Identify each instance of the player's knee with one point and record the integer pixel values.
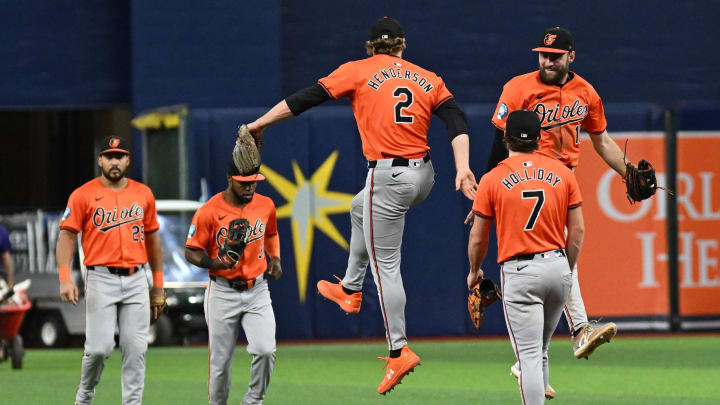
(356, 208)
(99, 352)
(264, 351)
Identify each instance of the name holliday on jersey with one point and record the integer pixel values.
(112, 219)
(384, 75)
(536, 174)
(549, 115)
(256, 233)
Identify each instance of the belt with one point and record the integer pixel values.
(544, 255)
(119, 271)
(238, 284)
(398, 161)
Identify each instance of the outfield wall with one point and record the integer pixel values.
(322, 147)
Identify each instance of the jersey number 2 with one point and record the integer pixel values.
(399, 117)
(539, 195)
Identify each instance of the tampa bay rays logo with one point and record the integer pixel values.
(114, 142)
(549, 39)
(309, 203)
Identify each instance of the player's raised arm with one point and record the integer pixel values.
(456, 123)
(610, 151)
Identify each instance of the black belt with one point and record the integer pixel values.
(120, 271)
(238, 284)
(531, 256)
(399, 161)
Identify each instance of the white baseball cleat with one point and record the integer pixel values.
(515, 372)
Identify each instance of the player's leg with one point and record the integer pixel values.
(558, 283)
(259, 324)
(586, 336)
(101, 292)
(358, 259)
(347, 292)
(133, 324)
(222, 315)
(389, 193)
(524, 317)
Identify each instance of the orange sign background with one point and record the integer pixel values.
(623, 264)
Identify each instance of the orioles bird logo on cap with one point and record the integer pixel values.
(114, 142)
(549, 39)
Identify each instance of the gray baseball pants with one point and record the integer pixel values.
(225, 310)
(534, 293)
(377, 214)
(110, 301)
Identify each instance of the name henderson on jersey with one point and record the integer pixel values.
(537, 174)
(398, 73)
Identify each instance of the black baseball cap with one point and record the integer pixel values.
(556, 40)
(234, 172)
(386, 28)
(523, 125)
(114, 144)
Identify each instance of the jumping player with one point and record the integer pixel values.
(118, 222)
(564, 103)
(392, 100)
(238, 294)
(532, 197)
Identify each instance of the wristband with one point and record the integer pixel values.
(157, 279)
(64, 273)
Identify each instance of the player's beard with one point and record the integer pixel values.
(114, 174)
(242, 198)
(555, 76)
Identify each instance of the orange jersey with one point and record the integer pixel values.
(562, 111)
(529, 197)
(113, 223)
(209, 228)
(392, 100)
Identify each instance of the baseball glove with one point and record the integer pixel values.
(482, 295)
(246, 153)
(237, 235)
(157, 303)
(640, 181)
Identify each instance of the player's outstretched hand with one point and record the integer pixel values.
(69, 292)
(257, 132)
(474, 278)
(275, 270)
(465, 181)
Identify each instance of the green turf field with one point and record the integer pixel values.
(667, 370)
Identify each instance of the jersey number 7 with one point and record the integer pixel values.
(539, 195)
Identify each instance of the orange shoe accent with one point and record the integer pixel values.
(397, 368)
(349, 303)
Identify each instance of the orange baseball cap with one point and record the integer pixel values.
(556, 40)
(114, 144)
(234, 172)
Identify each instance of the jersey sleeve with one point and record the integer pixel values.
(74, 215)
(342, 82)
(150, 217)
(442, 95)
(272, 221)
(200, 231)
(594, 122)
(482, 205)
(574, 197)
(509, 102)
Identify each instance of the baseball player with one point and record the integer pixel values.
(118, 221)
(532, 197)
(564, 103)
(392, 100)
(231, 235)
